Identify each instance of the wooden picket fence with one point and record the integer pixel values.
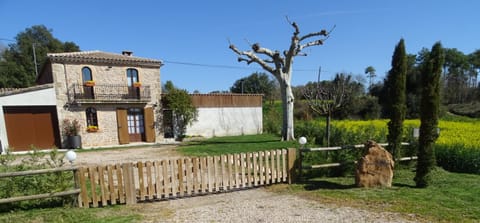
(130, 183)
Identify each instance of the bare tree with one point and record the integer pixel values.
(280, 66)
(326, 97)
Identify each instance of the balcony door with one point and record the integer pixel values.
(132, 77)
(86, 77)
(135, 122)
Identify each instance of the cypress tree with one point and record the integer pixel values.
(429, 110)
(396, 81)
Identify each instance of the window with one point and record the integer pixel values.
(86, 74)
(132, 76)
(88, 83)
(135, 121)
(91, 117)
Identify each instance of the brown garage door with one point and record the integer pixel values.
(27, 126)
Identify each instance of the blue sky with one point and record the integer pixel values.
(197, 32)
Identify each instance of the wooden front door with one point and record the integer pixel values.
(136, 127)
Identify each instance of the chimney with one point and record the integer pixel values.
(127, 53)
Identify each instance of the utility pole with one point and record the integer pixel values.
(35, 60)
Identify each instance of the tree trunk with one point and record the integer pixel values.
(287, 110)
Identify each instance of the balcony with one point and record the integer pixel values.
(110, 93)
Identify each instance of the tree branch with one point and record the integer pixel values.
(321, 33)
(295, 26)
(258, 49)
(252, 57)
(309, 44)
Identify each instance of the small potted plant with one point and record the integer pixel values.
(90, 83)
(92, 128)
(137, 84)
(70, 130)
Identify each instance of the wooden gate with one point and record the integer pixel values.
(130, 183)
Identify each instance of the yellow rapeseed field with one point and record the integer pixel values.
(451, 132)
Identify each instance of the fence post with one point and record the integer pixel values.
(291, 160)
(129, 180)
(76, 181)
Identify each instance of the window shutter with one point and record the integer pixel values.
(123, 137)
(149, 125)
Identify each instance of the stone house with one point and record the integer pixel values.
(114, 97)
(116, 100)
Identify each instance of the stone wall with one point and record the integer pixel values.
(65, 75)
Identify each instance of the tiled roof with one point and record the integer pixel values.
(102, 57)
(12, 91)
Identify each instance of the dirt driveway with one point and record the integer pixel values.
(124, 155)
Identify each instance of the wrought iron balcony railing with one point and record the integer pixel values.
(111, 93)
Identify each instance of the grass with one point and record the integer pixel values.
(453, 197)
(94, 215)
(234, 144)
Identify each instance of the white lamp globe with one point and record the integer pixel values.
(71, 156)
(302, 140)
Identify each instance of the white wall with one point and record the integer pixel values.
(43, 97)
(227, 122)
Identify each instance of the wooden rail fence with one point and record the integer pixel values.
(73, 191)
(327, 165)
(130, 183)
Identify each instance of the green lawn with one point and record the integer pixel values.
(234, 144)
(115, 214)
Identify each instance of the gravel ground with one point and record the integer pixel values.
(257, 205)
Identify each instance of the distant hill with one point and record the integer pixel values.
(471, 109)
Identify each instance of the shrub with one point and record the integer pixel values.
(70, 127)
(36, 184)
(272, 118)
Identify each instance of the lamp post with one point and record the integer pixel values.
(71, 156)
(302, 140)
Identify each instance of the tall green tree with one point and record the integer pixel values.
(430, 102)
(370, 72)
(18, 65)
(456, 75)
(474, 59)
(180, 103)
(256, 83)
(413, 88)
(396, 80)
